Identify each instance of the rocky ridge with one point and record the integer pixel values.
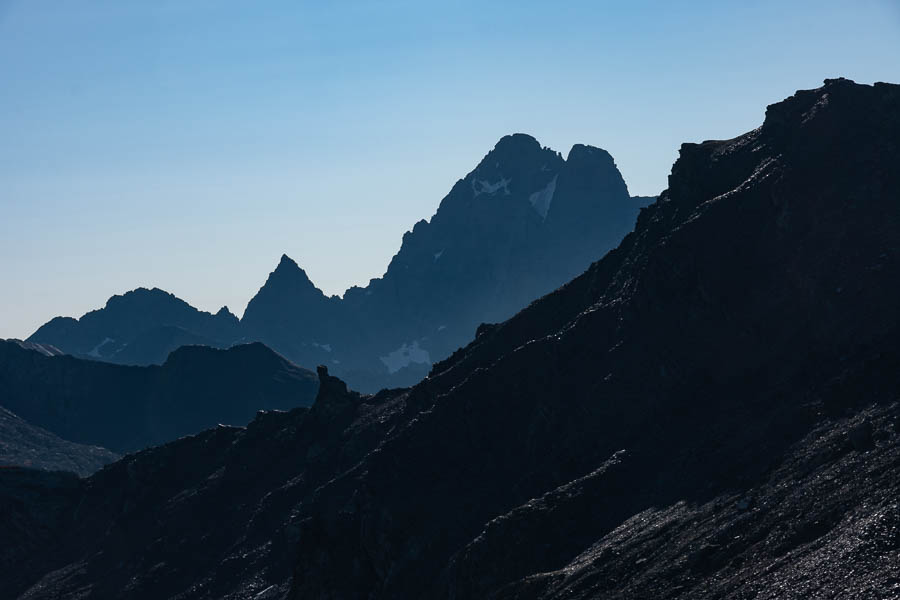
(522, 223)
(708, 411)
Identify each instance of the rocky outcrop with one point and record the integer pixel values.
(708, 412)
(129, 408)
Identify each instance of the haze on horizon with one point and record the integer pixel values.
(187, 145)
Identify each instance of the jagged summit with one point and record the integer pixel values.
(515, 147)
(584, 152)
(144, 294)
(517, 141)
(518, 225)
(517, 165)
(289, 312)
(141, 326)
(226, 313)
(289, 273)
(287, 263)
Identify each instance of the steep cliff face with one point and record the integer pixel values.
(709, 411)
(521, 224)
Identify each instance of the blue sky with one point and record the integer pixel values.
(188, 144)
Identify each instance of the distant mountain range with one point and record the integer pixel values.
(140, 327)
(127, 408)
(709, 412)
(522, 223)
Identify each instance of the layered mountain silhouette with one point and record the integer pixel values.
(127, 408)
(140, 327)
(521, 224)
(709, 412)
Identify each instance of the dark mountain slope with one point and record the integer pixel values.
(23, 444)
(707, 412)
(698, 347)
(211, 515)
(140, 327)
(129, 408)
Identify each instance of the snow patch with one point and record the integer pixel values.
(95, 353)
(481, 186)
(541, 200)
(405, 355)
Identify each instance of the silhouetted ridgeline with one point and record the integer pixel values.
(708, 412)
(521, 224)
(140, 327)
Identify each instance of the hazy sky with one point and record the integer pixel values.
(187, 145)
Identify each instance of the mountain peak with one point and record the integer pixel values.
(226, 313)
(287, 302)
(288, 263)
(512, 167)
(585, 153)
(511, 151)
(517, 141)
(143, 295)
(289, 270)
